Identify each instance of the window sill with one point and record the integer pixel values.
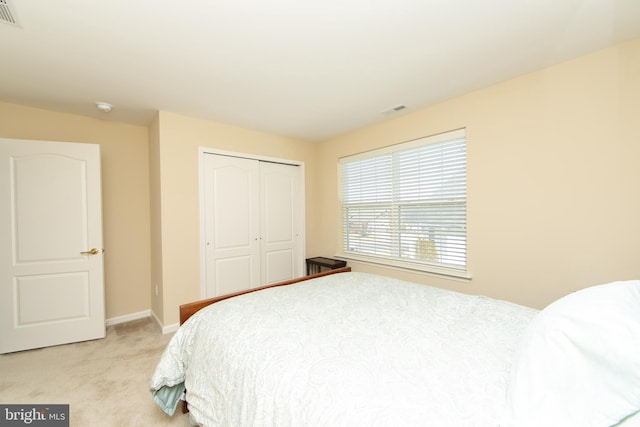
(429, 270)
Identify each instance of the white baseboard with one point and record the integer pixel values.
(169, 329)
(128, 317)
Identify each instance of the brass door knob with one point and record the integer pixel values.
(94, 251)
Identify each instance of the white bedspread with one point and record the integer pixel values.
(350, 349)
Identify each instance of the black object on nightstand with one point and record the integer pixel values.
(316, 265)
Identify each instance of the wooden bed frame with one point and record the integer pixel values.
(188, 310)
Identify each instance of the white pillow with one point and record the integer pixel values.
(579, 361)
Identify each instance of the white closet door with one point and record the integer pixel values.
(231, 188)
(280, 222)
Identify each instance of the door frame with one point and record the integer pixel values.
(202, 151)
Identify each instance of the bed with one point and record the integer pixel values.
(355, 349)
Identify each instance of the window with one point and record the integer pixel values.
(405, 205)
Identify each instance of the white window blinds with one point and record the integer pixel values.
(407, 203)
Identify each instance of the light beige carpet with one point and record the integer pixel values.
(105, 382)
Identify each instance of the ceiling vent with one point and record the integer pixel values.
(7, 14)
(394, 109)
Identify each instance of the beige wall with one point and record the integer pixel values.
(125, 193)
(553, 178)
(176, 193)
(552, 168)
(157, 300)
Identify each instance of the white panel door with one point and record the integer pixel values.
(232, 246)
(51, 261)
(280, 222)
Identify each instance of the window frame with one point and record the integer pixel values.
(397, 259)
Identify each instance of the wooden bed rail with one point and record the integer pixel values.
(187, 310)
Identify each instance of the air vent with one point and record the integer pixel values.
(7, 15)
(394, 109)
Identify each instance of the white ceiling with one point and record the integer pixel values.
(305, 69)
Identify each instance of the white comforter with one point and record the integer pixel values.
(350, 349)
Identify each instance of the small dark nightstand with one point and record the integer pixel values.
(315, 265)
